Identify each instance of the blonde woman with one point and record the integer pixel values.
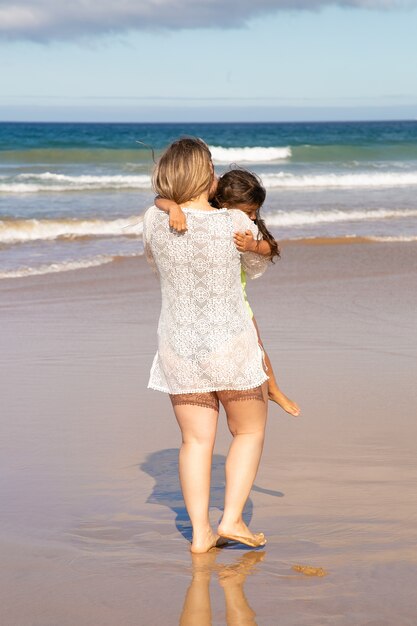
(208, 350)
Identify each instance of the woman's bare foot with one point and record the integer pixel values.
(240, 532)
(285, 403)
(205, 542)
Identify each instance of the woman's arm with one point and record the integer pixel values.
(177, 219)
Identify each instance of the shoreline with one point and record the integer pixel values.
(101, 260)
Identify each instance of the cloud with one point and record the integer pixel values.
(45, 20)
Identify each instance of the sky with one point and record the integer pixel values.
(207, 60)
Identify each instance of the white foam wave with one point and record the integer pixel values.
(304, 218)
(19, 231)
(249, 155)
(399, 238)
(325, 181)
(64, 266)
(48, 181)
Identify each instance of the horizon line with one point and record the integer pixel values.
(306, 121)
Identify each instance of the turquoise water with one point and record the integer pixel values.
(72, 195)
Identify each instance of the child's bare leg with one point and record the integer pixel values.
(274, 392)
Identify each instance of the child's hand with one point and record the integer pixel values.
(177, 219)
(244, 242)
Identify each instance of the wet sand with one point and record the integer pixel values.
(93, 527)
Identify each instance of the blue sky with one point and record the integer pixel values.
(318, 62)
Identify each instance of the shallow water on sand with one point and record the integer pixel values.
(94, 528)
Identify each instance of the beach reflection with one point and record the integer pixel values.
(231, 577)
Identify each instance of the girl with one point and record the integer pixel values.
(242, 190)
(208, 348)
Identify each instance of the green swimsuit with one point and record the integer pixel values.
(243, 282)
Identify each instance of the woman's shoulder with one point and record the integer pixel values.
(152, 212)
(151, 218)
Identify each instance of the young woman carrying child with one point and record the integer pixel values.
(208, 351)
(243, 190)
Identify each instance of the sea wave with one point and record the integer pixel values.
(15, 231)
(393, 239)
(28, 183)
(19, 231)
(63, 266)
(140, 156)
(258, 154)
(48, 181)
(305, 218)
(331, 180)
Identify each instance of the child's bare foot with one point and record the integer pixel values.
(205, 542)
(276, 395)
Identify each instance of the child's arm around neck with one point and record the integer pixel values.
(177, 219)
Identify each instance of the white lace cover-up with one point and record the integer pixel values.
(206, 338)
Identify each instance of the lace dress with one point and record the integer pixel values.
(206, 338)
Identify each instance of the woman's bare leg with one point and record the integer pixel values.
(246, 420)
(198, 428)
(274, 392)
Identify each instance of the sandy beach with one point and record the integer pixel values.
(93, 526)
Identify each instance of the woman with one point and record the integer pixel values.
(207, 345)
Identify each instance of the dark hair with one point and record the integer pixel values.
(238, 186)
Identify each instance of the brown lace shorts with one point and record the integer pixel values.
(211, 399)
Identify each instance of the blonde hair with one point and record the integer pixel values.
(184, 171)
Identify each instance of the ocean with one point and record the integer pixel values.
(73, 195)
